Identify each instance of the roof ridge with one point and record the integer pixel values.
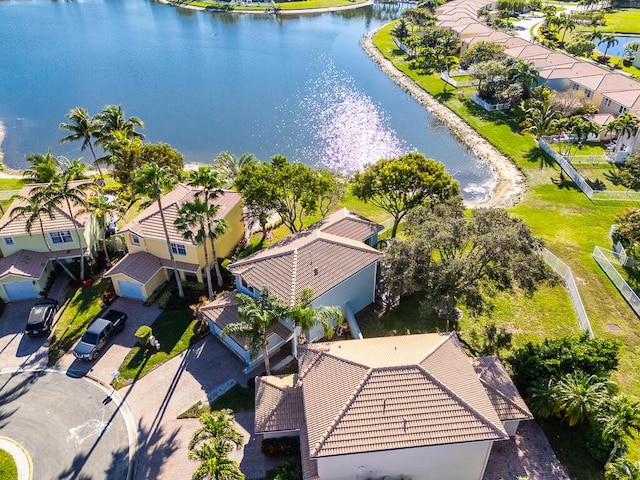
(344, 241)
(294, 271)
(511, 402)
(445, 338)
(316, 449)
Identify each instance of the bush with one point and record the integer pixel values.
(156, 293)
(289, 470)
(142, 334)
(165, 298)
(196, 286)
(283, 446)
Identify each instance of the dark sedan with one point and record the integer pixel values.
(41, 317)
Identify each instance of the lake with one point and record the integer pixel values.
(204, 82)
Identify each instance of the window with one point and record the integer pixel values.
(8, 241)
(587, 93)
(622, 110)
(63, 236)
(135, 239)
(607, 102)
(576, 86)
(178, 249)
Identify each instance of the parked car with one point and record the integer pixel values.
(41, 317)
(98, 333)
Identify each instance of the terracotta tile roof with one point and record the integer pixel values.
(224, 311)
(61, 218)
(142, 266)
(148, 223)
(528, 51)
(278, 404)
(396, 392)
(311, 258)
(345, 223)
(500, 388)
(471, 29)
(553, 60)
(627, 98)
(577, 70)
(24, 263)
(607, 82)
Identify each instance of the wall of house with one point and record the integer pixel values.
(40, 283)
(636, 61)
(234, 234)
(511, 426)
(147, 288)
(461, 461)
(158, 247)
(36, 243)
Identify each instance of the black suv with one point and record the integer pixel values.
(41, 317)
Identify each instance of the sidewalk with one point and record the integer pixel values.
(158, 398)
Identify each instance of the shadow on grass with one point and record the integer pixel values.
(564, 183)
(537, 155)
(498, 117)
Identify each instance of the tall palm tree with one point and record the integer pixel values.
(580, 396)
(621, 419)
(257, 317)
(622, 469)
(43, 168)
(231, 165)
(192, 223)
(154, 182)
(74, 168)
(64, 190)
(208, 178)
(33, 208)
(609, 39)
(624, 125)
(101, 209)
(540, 118)
(305, 316)
(82, 127)
(115, 128)
(542, 397)
(211, 444)
(568, 24)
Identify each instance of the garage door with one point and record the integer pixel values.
(20, 290)
(130, 289)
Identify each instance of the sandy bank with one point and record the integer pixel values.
(280, 12)
(510, 183)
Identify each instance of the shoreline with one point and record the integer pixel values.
(510, 183)
(280, 12)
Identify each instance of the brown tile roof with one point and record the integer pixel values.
(396, 392)
(345, 223)
(528, 51)
(278, 404)
(61, 218)
(627, 98)
(471, 29)
(500, 388)
(224, 311)
(311, 258)
(607, 82)
(600, 118)
(148, 223)
(142, 266)
(24, 263)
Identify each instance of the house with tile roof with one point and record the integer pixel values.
(147, 263)
(29, 257)
(335, 257)
(407, 406)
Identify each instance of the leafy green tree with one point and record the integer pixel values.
(419, 17)
(622, 469)
(132, 154)
(620, 419)
(481, 52)
(397, 185)
(332, 190)
(400, 30)
(579, 46)
(154, 182)
(627, 230)
(230, 165)
(42, 169)
(82, 127)
(450, 258)
(631, 50)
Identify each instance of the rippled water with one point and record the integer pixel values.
(299, 86)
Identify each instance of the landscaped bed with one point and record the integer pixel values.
(8, 467)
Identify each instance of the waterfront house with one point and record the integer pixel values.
(147, 263)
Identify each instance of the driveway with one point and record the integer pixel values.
(16, 348)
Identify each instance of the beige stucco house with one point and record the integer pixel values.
(412, 406)
(335, 257)
(28, 257)
(147, 263)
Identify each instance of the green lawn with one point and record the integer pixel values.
(6, 185)
(77, 313)
(238, 399)
(174, 329)
(8, 467)
(297, 5)
(623, 20)
(569, 223)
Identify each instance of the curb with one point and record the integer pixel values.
(20, 455)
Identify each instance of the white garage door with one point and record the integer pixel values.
(130, 289)
(20, 290)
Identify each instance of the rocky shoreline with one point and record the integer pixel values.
(510, 182)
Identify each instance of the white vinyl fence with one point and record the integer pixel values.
(606, 259)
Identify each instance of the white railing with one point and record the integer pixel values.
(489, 107)
(564, 271)
(606, 259)
(449, 78)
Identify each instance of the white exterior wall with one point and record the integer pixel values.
(511, 426)
(461, 461)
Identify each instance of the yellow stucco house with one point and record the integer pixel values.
(28, 258)
(147, 263)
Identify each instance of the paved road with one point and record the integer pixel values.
(69, 426)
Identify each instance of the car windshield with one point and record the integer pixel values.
(90, 338)
(37, 314)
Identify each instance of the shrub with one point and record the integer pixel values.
(196, 286)
(289, 470)
(156, 293)
(142, 334)
(283, 446)
(165, 298)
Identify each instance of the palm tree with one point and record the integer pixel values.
(609, 39)
(540, 118)
(580, 397)
(542, 398)
(305, 316)
(211, 444)
(595, 35)
(622, 469)
(82, 127)
(624, 125)
(208, 178)
(621, 419)
(192, 223)
(43, 168)
(115, 128)
(525, 74)
(231, 165)
(64, 190)
(74, 168)
(257, 317)
(101, 208)
(567, 24)
(154, 182)
(33, 208)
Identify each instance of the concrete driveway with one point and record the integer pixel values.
(16, 348)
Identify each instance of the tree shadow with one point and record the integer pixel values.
(537, 155)
(155, 446)
(564, 183)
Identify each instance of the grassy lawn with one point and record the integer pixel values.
(7, 184)
(238, 399)
(623, 20)
(8, 468)
(77, 313)
(296, 5)
(174, 330)
(569, 223)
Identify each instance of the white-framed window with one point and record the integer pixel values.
(135, 239)
(588, 93)
(576, 86)
(63, 236)
(178, 249)
(9, 241)
(607, 102)
(622, 110)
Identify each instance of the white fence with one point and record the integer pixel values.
(564, 271)
(450, 79)
(606, 259)
(489, 107)
(626, 196)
